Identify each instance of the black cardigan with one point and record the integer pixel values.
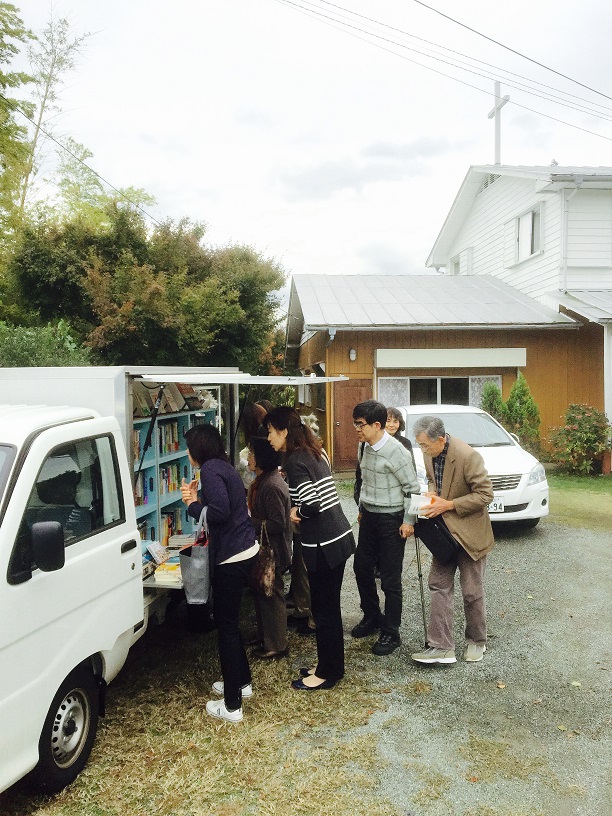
(323, 523)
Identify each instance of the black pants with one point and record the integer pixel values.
(228, 583)
(325, 586)
(381, 544)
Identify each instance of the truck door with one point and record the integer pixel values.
(51, 622)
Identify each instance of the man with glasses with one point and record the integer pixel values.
(461, 490)
(388, 480)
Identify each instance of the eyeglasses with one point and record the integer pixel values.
(360, 425)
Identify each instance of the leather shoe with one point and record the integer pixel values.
(299, 685)
(365, 627)
(305, 629)
(303, 671)
(293, 621)
(268, 654)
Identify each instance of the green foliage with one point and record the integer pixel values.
(50, 345)
(523, 416)
(493, 403)
(13, 133)
(581, 440)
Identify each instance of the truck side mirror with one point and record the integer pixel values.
(48, 552)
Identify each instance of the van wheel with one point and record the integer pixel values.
(69, 732)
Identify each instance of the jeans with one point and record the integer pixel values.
(441, 585)
(228, 583)
(380, 544)
(325, 585)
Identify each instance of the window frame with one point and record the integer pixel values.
(535, 233)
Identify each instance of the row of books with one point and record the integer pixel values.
(171, 524)
(141, 489)
(169, 478)
(176, 397)
(169, 439)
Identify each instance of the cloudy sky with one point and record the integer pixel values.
(324, 146)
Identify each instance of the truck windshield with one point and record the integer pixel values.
(7, 455)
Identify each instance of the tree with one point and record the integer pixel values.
(49, 345)
(493, 403)
(52, 56)
(523, 415)
(581, 440)
(13, 134)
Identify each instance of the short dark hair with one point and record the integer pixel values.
(372, 411)
(299, 435)
(204, 442)
(266, 458)
(431, 426)
(397, 414)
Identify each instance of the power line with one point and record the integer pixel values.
(518, 86)
(441, 73)
(16, 107)
(460, 53)
(507, 47)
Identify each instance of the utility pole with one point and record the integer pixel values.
(496, 113)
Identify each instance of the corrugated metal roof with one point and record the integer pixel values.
(594, 304)
(415, 301)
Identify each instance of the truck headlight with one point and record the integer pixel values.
(537, 475)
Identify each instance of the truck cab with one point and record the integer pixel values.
(71, 596)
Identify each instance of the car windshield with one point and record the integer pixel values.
(7, 454)
(478, 430)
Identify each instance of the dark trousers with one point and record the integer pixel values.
(380, 544)
(228, 583)
(325, 586)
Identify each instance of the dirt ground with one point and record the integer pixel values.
(527, 730)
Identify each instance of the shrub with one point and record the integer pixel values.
(493, 403)
(580, 441)
(40, 346)
(523, 415)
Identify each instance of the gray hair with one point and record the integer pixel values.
(432, 426)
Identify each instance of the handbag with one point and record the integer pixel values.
(264, 568)
(438, 539)
(195, 565)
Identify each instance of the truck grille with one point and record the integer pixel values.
(505, 482)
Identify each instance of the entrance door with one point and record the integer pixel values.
(346, 397)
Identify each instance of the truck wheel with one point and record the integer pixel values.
(69, 732)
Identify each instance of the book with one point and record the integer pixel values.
(418, 502)
(158, 551)
(189, 395)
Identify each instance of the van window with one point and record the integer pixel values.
(78, 485)
(7, 456)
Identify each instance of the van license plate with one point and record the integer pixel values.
(496, 506)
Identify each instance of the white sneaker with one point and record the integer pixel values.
(219, 688)
(433, 655)
(474, 652)
(216, 708)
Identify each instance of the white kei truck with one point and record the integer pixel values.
(72, 599)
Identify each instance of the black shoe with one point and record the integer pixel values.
(386, 644)
(293, 621)
(365, 627)
(305, 628)
(299, 685)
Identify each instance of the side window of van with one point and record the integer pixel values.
(78, 485)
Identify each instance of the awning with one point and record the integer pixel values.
(240, 378)
(593, 304)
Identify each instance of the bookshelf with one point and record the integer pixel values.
(160, 511)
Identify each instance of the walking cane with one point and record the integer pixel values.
(420, 574)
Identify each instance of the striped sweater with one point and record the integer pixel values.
(323, 524)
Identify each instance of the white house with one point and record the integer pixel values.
(547, 231)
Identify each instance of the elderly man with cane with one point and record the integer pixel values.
(461, 490)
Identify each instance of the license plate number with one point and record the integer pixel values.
(496, 506)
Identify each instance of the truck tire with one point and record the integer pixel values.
(69, 732)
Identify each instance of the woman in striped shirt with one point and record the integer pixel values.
(327, 540)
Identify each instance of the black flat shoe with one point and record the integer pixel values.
(303, 671)
(299, 685)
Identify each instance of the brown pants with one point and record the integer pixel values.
(441, 585)
(300, 585)
(271, 616)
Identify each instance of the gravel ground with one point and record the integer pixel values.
(526, 731)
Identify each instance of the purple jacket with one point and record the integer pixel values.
(222, 491)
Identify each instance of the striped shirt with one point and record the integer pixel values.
(313, 492)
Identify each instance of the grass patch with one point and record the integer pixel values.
(158, 752)
(490, 758)
(581, 501)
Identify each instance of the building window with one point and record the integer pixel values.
(528, 235)
(400, 391)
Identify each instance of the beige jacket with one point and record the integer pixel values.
(466, 482)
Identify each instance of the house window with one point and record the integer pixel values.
(455, 266)
(400, 391)
(528, 234)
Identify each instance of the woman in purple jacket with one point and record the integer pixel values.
(233, 548)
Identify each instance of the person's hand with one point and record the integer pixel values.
(406, 530)
(437, 507)
(293, 515)
(359, 518)
(189, 491)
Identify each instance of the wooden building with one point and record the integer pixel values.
(416, 339)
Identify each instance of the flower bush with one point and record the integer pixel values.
(581, 440)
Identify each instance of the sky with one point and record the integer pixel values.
(330, 152)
